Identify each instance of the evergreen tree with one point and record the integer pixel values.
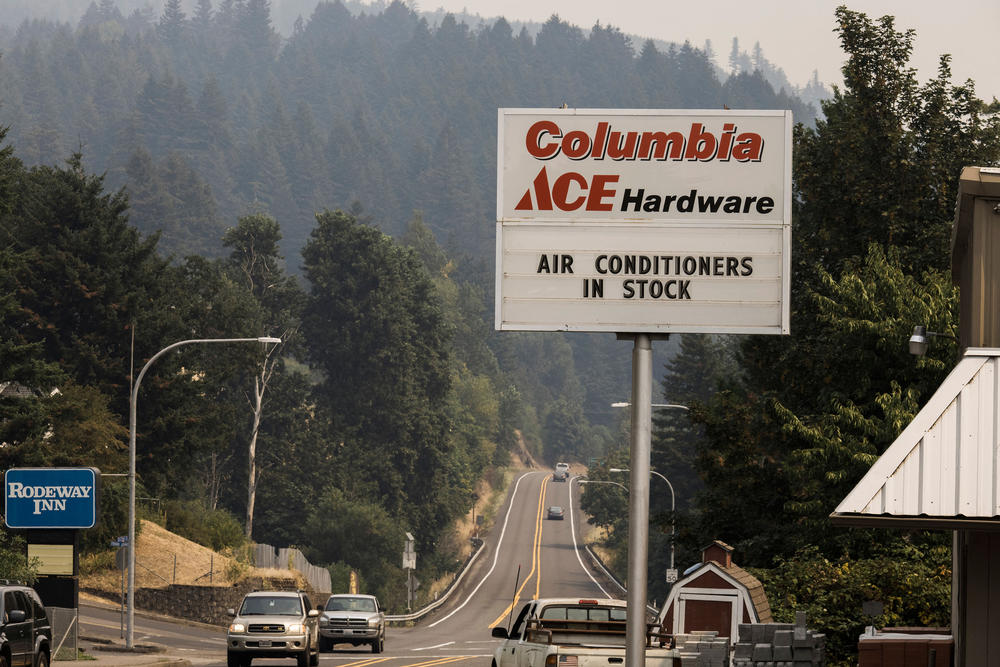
(794, 436)
(172, 24)
(87, 277)
(692, 377)
(375, 329)
(203, 14)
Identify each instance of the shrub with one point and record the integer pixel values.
(216, 529)
(13, 564)
(913, 583)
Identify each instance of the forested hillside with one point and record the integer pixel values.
(211, 115)
(207, 116)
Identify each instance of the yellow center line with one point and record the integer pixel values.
(538, 538)
(535, 557)
(438, 661)
(364, 663)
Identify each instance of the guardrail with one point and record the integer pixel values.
(600, 564)
(403, 618)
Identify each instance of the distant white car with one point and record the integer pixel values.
(561, 473)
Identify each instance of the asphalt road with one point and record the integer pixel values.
(526, 556)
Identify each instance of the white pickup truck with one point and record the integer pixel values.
(569, 632)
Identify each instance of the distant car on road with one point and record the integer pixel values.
(561, 473)
(25, 630)
(352, 619)
(273, 624)
(556, 512)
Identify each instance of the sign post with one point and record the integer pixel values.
(643, 223)
(121, 560)
(409, 564)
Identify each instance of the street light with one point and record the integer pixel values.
(652, 405)
(129, 637)
(921, 338)
(673, 515)
(672, 498)
(601, 481)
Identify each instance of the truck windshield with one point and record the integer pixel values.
(350, 604)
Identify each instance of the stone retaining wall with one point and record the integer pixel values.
(208, 604)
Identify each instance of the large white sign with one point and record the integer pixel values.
(643, 220)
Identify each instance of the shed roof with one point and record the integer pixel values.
(943, 470)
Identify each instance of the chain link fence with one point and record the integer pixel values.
(65, 633)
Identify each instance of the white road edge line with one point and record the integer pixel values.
(428, 648)
(496, 554)
(576, 548)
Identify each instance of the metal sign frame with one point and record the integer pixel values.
(51, 492)
(577, 249)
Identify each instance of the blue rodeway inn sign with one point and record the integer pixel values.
(51, 497)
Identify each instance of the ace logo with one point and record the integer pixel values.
(569, 192)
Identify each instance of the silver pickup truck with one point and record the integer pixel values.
(352, 619)
(570, 631)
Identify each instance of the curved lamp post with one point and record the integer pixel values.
(672, 497)
(652, 405)
(601, 481)
(130, 635)
(673, 507)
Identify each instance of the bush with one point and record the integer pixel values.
(340, 577)
(913, 583)
(98, 561)
(242, 561)
(223, 530)
(216, 529)
(13, 564)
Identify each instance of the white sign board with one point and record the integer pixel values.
(643, 220)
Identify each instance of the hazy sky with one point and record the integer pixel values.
(796, 35)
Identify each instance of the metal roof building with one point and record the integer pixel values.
(943, 470)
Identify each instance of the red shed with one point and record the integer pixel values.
(716, 595)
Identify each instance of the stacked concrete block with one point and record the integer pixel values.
(703, 648)
(779, 645)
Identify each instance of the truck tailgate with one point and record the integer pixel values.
(611, 656)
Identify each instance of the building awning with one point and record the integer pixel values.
(943, 471)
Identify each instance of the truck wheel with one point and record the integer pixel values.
(303, 658)
(234, 660)
(377, 645)
(325, 644)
